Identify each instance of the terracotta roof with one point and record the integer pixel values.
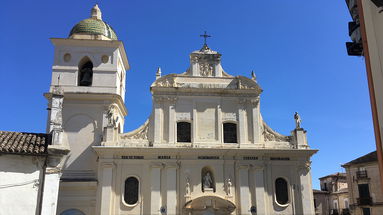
(23, 143)
(320, 191)
(338, 174)
(370, 157)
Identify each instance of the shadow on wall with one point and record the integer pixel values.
(81, 134)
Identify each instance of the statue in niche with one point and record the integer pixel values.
(207, 181)
(298, 120)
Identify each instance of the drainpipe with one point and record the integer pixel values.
(41, 184)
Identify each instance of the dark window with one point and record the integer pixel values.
(131, 190)
(366, 211)
(281, 191)
(85, 74)
(364, 192)
(230, 133)
(184, 132)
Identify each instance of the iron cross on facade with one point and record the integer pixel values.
(205, 36)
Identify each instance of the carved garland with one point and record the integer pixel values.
(140, 133)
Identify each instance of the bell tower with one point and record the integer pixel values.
(90, 68)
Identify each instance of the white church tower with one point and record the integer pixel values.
(205, 149)
(89, 68)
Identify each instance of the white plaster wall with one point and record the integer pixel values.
(19, 184)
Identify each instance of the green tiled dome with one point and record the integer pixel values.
(94, 27)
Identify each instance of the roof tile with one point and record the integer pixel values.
(23, 143)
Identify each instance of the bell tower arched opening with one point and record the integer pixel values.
(85, 72)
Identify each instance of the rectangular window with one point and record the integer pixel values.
(184, 132)
(366, 211)
(364, 191)
(230, 133)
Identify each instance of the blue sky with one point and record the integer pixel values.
(297, 49)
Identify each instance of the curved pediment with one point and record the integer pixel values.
(214, 202)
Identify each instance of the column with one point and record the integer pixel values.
(155, 195)
(51, 190)
(306, 189)
(257, 123)
(219, 124)
(244, 191)
(260, 191)
(242, 124)
(157, 120)
(171, 121)
(106, 188)
(171, 190)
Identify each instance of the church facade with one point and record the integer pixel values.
(205, 149)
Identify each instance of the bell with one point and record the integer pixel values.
(86, 77)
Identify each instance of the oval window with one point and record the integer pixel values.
(131, 190)
(281, 191)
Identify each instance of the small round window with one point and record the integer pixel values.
(131, 190)
(281, 191)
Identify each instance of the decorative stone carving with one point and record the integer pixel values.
(229, 116)
(270, 135)
(228, 187)
(249, 101)
(187, 188)
(183, 116)
(166, 81)
(112, 116)
(163, 99)
(206, 69)
(139, 134)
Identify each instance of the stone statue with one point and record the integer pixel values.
(298, 120)
(187, 187)
(112, 116)
(229, 184)
(253, 76)
(207, 181)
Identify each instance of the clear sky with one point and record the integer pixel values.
(296, 48)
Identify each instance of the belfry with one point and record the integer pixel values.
(205, 149)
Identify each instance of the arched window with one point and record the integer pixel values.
(184, 132)
(85, 72)
(230, 133)
(131, 190)
(72, 212)
(281, 191)
(207, 180)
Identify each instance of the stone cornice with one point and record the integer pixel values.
(114, 98)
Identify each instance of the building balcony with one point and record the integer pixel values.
(364, 201)
(361, 174)
(334, 212)
(345, 211)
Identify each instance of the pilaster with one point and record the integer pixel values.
(155, 193)
(106, 200)
(242, 121)
(244, 192)
(260, 190)
(171, 190)
(157, 121)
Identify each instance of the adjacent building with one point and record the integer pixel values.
(366, 33)
(333, 197)
(364, 185)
